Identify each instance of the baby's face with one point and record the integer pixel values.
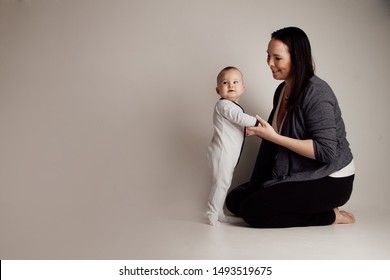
(230, 85)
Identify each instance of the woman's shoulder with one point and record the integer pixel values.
(318, 88)
(317, 81)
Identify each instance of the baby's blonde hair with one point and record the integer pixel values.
(226, 69)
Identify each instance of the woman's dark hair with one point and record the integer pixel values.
(301, 61)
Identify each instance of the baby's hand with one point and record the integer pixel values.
(250, 131)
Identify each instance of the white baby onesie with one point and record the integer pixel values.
(224, 152)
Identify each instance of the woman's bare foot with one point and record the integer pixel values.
(343, 217)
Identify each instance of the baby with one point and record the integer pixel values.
(229, 134)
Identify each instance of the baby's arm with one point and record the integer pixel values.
(234, 113)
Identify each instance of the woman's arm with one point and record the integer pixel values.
(267, 132)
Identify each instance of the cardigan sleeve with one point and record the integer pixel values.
(320, 116)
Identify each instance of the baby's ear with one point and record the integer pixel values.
(217, 90)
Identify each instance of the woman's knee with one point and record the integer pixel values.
(235, 197)
(233, 203)
(255, 213)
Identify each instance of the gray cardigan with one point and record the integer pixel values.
(318, 118)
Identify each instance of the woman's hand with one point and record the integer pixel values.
(267, 132)
(264, 130)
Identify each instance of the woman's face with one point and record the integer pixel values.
(279, 60)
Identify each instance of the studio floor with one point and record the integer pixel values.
(106, 115)
(180, 232)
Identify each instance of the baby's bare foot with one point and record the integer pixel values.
(343, 217)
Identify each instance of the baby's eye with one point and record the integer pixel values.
(224, 83)
(235, 82)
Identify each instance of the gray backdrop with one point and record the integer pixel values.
(106, 106)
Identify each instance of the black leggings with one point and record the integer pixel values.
(292, 204)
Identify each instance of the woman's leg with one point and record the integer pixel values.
(293, 204)
(235, 197)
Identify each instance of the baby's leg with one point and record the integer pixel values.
(222, 169)
(222, 218)
(214, 218)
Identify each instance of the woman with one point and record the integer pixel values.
(304, 169)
